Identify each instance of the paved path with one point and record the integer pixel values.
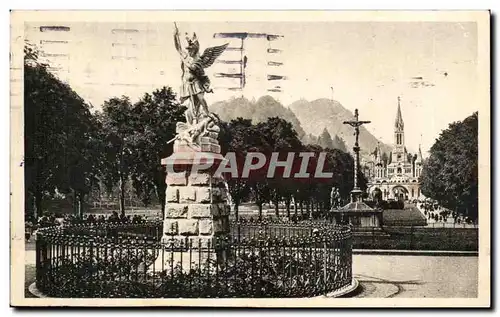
(416, 276)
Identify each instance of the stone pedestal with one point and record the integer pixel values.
(196, 212)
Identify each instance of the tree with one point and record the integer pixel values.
(450, 174)
(239, 137)
(119, 137)
(85, 160)
(308, 139)
(60, 136)
(154, 121)
(280, 137)
(339, 143)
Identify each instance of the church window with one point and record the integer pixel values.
(399, 170)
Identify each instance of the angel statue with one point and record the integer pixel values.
(194, 81)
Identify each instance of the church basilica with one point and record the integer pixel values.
(397, 176)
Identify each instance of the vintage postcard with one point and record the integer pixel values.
(251, 159)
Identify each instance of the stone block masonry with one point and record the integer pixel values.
(174, 211)
(196, 213)
(196, 208)
(177, 179)
(187, 194)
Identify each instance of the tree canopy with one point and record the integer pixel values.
(61, 136)
(450, 174)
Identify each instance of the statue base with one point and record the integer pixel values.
(207, 144)
(196, 220)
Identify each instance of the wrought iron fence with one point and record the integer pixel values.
(130, 261)
(278, 228)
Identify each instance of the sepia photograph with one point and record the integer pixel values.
(250, 159)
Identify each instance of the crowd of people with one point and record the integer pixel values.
(440, 214)
(50, 220)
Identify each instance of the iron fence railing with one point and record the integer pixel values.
(130, 260)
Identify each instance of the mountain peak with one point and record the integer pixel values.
(258, 111)
(315, 115)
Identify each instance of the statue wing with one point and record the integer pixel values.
(210, 55)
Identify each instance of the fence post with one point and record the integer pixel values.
(38, 248)
(91, 256)
(324, 265)
(411, 237)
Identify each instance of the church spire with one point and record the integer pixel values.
(419, 155)
(379, 153)
(399, 124)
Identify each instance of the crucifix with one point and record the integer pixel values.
(356, 123)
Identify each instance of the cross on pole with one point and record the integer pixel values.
(356, 192)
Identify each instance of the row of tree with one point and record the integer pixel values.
(71, 150)
(311, 195)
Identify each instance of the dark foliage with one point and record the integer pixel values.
(450, 174)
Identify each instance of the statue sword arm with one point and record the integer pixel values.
(177, 44)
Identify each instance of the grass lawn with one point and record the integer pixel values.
(404, 238)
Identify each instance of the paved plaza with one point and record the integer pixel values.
(416, 276)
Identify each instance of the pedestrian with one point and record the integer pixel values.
(114, 217)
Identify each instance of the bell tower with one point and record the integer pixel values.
(399, 152)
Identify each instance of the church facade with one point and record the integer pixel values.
(397, 174)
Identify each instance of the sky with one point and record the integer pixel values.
(432, 66)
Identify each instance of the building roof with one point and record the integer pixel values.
(357, 206)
